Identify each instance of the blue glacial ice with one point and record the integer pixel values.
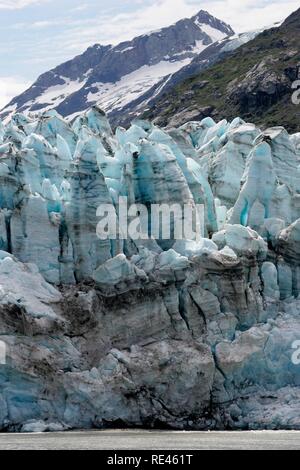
(190, 334)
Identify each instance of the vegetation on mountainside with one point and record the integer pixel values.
(254, 82)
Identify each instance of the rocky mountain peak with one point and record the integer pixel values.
(205, 18)
(254, 82)
(124, 76)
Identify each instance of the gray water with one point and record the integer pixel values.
(152, 440)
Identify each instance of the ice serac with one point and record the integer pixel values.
(183, 333)
(227, 165)
(34, 235)
(33, 309)
(87, 192)
(259, 185)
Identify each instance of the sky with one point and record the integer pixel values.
(37, 35)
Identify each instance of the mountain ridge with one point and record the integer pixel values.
(254, 82)
(135, 66)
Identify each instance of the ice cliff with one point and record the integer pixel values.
(174, 333)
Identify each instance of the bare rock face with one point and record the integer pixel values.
(261, 88)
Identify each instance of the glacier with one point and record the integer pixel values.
(171, 333)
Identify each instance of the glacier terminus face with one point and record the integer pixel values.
(153, 330)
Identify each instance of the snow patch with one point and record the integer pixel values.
(213, 33)
(112, 96)
(55, 95)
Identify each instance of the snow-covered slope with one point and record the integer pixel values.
(212, 54)
(115, 77)
(114, 96)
